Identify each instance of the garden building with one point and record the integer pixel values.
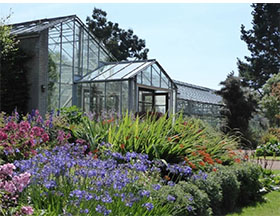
(69, 66)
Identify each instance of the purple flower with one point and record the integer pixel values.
(189, 208)
(148, 206)
(156, 187)
(144, 193)
(171, 198)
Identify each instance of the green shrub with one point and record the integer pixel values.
(189, 199)
(73, 114)
(248, 175)
(212, 186)
(230, 187)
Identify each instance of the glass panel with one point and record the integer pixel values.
(104, 56)
(66, 74)
(155, 78)
(139, 78)
(138, 70)
(110, 72)
(125, 96)
(65, 95)
(164, 81)
(113, 96)
(98, 97)
(160, 108)
(86, 100)
(146, 74)
(160, 99)
(53, 94)
(129, 68)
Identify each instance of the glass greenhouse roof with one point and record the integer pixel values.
(188, 91)
(38, 25)
(148, 70)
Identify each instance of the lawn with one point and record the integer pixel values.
(268, 207)
(267, 157)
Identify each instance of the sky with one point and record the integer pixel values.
(197, 43)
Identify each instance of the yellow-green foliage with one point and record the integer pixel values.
(173, 138)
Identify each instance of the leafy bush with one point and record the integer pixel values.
(73, 114)
(248, 175)
(230, 187)
(210, 184)
(185, 198)
(268, 149)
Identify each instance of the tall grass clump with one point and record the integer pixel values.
(173, 138)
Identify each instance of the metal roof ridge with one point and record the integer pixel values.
(128, 61)
(194, 86)
(42, 20)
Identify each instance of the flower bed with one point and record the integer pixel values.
(71, 170)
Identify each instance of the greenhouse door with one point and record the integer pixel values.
(152, 101)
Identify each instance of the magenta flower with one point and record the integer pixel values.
(26, 210)
(3, 136)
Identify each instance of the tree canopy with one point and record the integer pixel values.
(123, 44)
(263, 41)
(270, 102)
(239, 105)
(13, 74)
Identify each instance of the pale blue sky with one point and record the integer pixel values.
(195, 43)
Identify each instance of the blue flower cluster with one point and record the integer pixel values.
(99, 180)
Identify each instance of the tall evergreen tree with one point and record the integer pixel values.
(121, 43)
(263, 41)
(239, 106)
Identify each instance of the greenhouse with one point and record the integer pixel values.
(133, 86)
(69, 66)
(199, 102)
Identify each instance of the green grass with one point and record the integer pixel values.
(268, 207)
(267, 157)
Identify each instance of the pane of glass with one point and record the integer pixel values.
(97, 93)
(160, 99)
(125, 96)
(164, 81)
(53, 94)
(139, 78)
(146, 74)
(160, 108)
(127, 70)
(113, 95)
(86, 100)
(155, 78)
(65, 95)
(108, 74)
(137, 71)
(66, 74)
(53, 68)
(104, 56)
(97, 72)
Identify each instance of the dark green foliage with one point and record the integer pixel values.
(248, 175)
(263, 43)
(239, 106)
(212, 186)
(230, 188)
(14, 85)
(121, 43)
(189, 199)
(73, 114)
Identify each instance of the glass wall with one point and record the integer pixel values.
(205, 111)
(73, 52)
(105, 96)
